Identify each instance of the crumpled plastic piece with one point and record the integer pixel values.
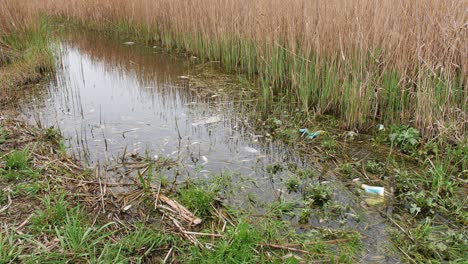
(311, 135)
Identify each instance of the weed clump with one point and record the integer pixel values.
(17, 166)
(274, 168)
(197, 200)
(318, 194)
(374, 167)
(292, 184)
(304, 216)
(406, 138)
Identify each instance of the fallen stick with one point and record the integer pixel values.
(168, 255)
(4, 208)
(286, 248)
(180, 209)
(328, 242)
(202, 234)
(184, 234)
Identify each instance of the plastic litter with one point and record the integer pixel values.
(310, 135)
(374, 201)
(373, 189)
(380, 127)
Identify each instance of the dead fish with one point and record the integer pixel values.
(184, 77)
(205, 160)
(209, 120)
(129, 43)
(251, 150)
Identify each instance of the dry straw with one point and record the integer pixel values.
(366, 60)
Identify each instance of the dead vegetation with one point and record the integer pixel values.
(393, 61)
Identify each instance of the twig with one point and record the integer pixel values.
(286, 248)
(328, 242)
(180, 209)
(24, 222)
(100, 188)
(4, 208)
(202, 234)
(168, 255)
(397, 225)
(406, 254)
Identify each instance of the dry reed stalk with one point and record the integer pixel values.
(400, 61)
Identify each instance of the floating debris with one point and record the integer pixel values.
(251, 150)
(129, 43)
(209, 120)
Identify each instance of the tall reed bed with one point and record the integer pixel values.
(24, 53)
(393, 61)
(21, 29)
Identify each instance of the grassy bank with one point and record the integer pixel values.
(389, 62)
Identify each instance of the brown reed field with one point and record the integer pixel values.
(398, 61)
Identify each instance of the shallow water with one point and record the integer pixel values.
(108, 98)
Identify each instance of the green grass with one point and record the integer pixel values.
(239, 247)
(18, 166)
(197, 200)
(53, 214)
(10, 248)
